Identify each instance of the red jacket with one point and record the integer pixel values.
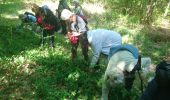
(46, 26)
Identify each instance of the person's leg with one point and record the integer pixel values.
(44, 35)
(64, 27)
(104, 59)
(52, 38)
(84, 45)
(74, 50)
(105, 88)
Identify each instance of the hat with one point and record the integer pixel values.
(66, 14)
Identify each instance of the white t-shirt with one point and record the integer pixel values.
(101, 41)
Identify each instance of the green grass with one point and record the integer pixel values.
(29, 71)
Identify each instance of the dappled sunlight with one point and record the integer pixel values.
(6, 2)
(127, 39)
(156, 54)
(52, 5)
(74, 76)
(162, 22)
(23, 64)
(95, 8)
(9, 16)
(121, 22)
(165, 23)
(24, 10)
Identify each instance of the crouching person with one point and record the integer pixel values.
(122, 61)
(27, 19)
(47, 20)
(101, 40)
(51, 24)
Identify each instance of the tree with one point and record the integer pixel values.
(167, 9)
(149, 12)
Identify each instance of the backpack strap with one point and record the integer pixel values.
(138, 68)
(77, 22)
(129, 80)
(77, 29)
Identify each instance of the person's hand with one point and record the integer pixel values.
(76, 33)
(69, 34)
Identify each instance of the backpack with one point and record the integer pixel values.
(162, 76)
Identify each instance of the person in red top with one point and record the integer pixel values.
(47, 20)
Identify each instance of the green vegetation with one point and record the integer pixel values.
(29, 71)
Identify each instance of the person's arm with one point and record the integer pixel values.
(105, 88)
(96, 54)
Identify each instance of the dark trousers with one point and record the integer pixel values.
(48, 34)
(64, 27)
(84, 46)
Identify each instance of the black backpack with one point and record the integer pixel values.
(163, 74)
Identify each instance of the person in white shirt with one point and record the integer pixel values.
(77, 33)
(101, 40)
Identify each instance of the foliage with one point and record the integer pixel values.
(137, 8)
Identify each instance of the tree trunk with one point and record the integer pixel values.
(149, 12)
(167, 9)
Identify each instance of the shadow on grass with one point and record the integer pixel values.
(60, 78)
(11, 41)
(14, 43)
(11, 6)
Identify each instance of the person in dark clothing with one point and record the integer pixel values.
(28, 20)
(154, 92)
(77, 33)
(27, 17)
(62, 5)
(47, 20)
(159, 87)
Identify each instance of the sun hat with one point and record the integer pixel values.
(66, 14)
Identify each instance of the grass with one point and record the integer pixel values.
(29, 71)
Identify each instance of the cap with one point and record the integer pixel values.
(66, 14)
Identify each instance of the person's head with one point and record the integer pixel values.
(23, 18)
(66, 15)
